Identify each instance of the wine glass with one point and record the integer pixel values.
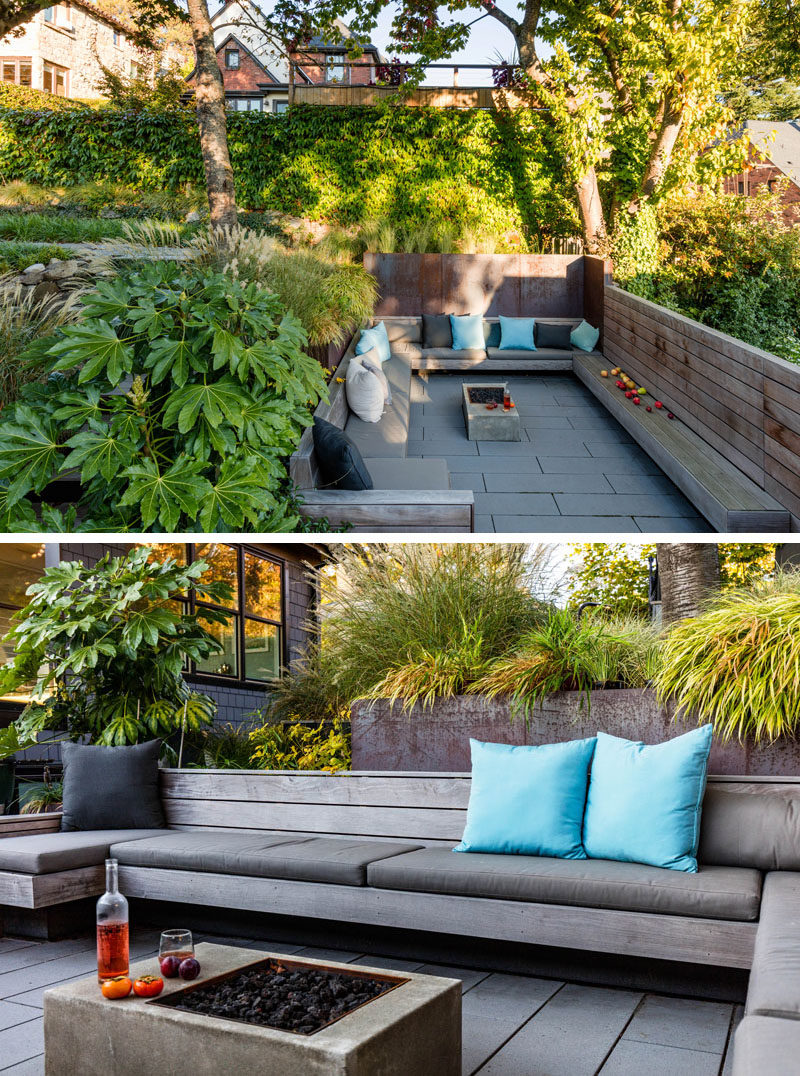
(176, 943)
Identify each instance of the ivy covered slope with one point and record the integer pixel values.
(481, 169)
(176, 398)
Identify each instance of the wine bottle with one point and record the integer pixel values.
(112, 928)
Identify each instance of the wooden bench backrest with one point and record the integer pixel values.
(426, 807)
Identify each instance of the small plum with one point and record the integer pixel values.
(670, 415)
(169, 966)
(189, 969)
(648, 408)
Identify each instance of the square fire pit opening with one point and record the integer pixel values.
(289, 995)
(484, 415)
(412, 1026)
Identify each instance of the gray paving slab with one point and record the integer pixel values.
(513, 482)
(469, 976)
(22, 1042)
(495, 1009)
(8, 945)
(543, 443)
(637, 1059)
(389, 962)
(495, 464)
(623, 504)
(682, 1022)
(571, 1036)
(25, 958)
(344, 956)
(443, 448)
(531, 423)
(738, 1015)
(12, 1014)
(468, 480)
(484, 524)
(607, 436)
(555, 460)
(622, 482)
(531, 504)
(508, 524)
(33, 1067)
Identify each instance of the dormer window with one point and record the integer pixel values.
(232, 59)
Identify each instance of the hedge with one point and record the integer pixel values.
(478, 169)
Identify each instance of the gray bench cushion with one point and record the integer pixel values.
(541, 353)
(774, 988)
(714, 892)
(411, 473)
(748, 829)
(389, 436)
(766, 1046)
(44, 853)
(262, 855)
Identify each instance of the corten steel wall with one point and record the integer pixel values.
(741, 400)
(517, 285)
(436, 740)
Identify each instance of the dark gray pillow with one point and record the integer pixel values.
(557, 336)
(111, 787)
(339, 460)
(436, 330)
(491, 333)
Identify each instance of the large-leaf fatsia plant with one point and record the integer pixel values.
(107, 646)
(176, 398)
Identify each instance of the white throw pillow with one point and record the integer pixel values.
(364, 392)
(373, 365)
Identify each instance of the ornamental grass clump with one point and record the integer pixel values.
(738, 663)
(422, 619)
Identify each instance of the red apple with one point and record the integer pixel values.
(659, 404)
(636, 400)
(628, 395)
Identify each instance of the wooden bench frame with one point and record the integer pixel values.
(429, 809)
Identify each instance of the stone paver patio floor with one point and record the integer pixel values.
(514, 1025)
(575, 469)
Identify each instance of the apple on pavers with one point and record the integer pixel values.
(636, 400)
(642, 390)
(604, 373)
(628, 394)
(659, 404)
(616, 371)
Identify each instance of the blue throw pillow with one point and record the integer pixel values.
(467, 332)
(516, 333)
(528, 800)
(377, 338)
(584, 336)
(644, 802)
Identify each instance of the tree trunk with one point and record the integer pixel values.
(211, 120)
(595, 237)
(688, 573)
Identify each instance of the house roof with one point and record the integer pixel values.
(780, 144)
(98, 13)
(318, 42)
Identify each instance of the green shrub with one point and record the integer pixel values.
(15, 257)
(220, 391)
(107, 645)
(301, 746)
(738, 663)
(726, 260)
(469, 169)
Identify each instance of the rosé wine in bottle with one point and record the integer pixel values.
(112, 928)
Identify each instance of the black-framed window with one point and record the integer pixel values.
(21, 564)
(253, 637)
(232, 58)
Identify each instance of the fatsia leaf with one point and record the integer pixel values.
(95, 348)
(171, 357)
(236, 496)
(219, 400)
(77, 408)
(29, 453)
(99, 451)
(164, 497)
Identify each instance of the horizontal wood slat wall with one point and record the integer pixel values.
(743, 401)
(430, 808)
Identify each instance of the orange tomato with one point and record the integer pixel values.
(148, 986)
(118, 987)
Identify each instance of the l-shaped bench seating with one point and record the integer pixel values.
(375, 849)
(414, 494)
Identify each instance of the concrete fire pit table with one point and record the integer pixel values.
(412, 1029)
(488, 423)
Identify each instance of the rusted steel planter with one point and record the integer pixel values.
(437, 739)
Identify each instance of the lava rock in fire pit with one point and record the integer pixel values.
(288, 998)
(477, 395)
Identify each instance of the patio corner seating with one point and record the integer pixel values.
(375, 849)
(414, 494)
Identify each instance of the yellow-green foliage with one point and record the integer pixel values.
(738, 664)
(302, 747)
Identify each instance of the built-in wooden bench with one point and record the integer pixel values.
(728, 499)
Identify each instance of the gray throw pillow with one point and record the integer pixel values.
(491, 333)
(436, 330)
(111, 787)
(341, 464)
(556, 336)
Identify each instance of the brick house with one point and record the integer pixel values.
(273, 603)
(779, 144)
(256, 73)
(63, 47)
